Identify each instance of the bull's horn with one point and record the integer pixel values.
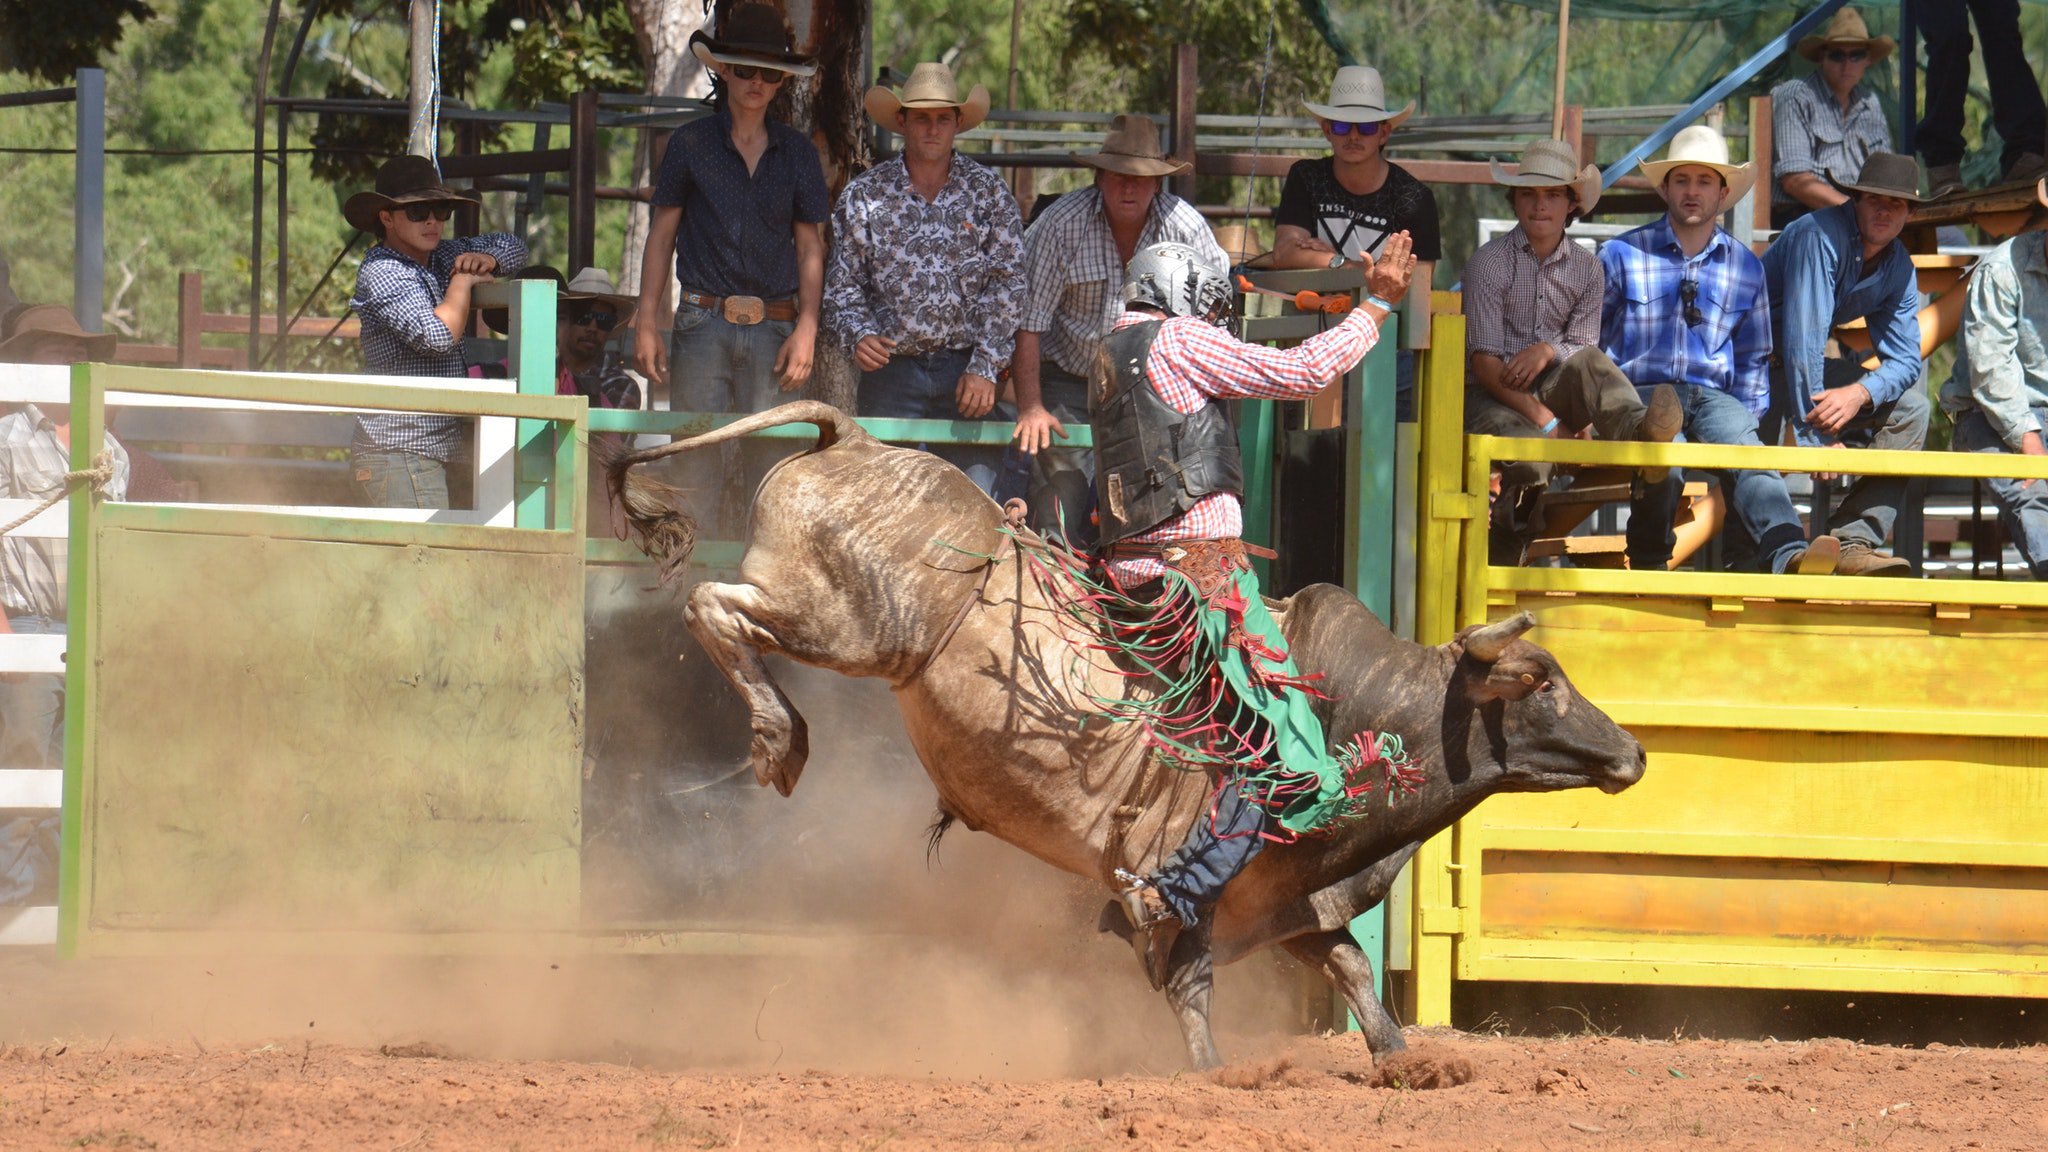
(1486, 644)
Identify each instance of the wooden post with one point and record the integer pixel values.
(582, 181)
(422, 91)
(190, 304)
(1183, 126)
(1760, 154)
(1564, 29)
(1574, 133)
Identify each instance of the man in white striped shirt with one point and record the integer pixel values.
(1074, 260)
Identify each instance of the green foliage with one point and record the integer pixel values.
(51, 41)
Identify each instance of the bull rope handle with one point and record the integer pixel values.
(101, 474)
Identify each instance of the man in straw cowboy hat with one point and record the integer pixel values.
(1998, 395)
(1830, 267)
(739, 211)
(2017, 111)
(413, 294)
(1532, 311)
(926, 284)
(1338, 208)
(35, 453)
(1074, 260)
(1827, 120)
(1686, 305)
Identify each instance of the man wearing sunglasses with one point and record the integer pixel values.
(1686, 304)
(739, 208)
(413, 294)
(1338, 208)
(1827, 120)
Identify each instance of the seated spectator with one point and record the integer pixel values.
(413, 294)
(1074, 258)
(1999, 393)
(35, 453)
(1830, 267)
(1686, 304)
(1532, 312)
(1335, 209)
(926, 280)
(1827, 120)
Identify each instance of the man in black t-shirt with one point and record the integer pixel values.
(1335, 208)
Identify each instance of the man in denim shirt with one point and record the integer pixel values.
(1999, 393)
(1829, 267)
(1686, 305)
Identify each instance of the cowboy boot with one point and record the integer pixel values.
(1662, 419)
(1155, 926)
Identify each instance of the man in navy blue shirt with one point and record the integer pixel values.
(1827, 268)
(739, 206)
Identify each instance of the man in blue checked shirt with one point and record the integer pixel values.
(1830, 267)
(1686, 305)
(413, 296)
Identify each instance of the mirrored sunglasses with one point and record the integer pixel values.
(605, 320)
(418, 213)
(1341, 128)
(753, 72)
(1848, 55)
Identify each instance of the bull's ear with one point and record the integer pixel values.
(1486, 642)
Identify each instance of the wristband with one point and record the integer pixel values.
(1550, 427)
(1383, 305)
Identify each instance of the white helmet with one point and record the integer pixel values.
(1173, 278)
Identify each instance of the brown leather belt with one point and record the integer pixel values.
(742, 309)
(1126, 550)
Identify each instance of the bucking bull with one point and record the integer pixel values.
(871, 560)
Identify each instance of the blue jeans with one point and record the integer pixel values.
(715, 365)
(32, 707)
(2023, 510)
(1062, 493)
(1216, 850)
(400, 480)
(1757, 500)
(923, 387)
(1870, 507)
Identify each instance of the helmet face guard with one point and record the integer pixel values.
(1172, 278)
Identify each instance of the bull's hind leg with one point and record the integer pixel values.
(1348, 970)
(1190, 980)
(725, 619)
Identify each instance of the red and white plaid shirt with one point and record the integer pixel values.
(1192, 361)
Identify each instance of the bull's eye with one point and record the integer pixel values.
(1546, 688)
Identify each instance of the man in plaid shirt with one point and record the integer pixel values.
(413, 295)
(1687, 305)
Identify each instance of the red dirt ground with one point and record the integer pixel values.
(1314, 1092)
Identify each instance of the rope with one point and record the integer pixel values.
(101, 474)
(1259, 121)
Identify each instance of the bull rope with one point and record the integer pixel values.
(100, 474)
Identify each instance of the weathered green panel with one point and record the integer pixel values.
(309, 734)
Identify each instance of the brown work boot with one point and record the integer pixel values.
(1155, 926)
(1662, 418)
(1860, 559)
(2026, 168)
(1816, 559)
(1944, 180)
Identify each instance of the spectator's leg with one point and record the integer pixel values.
(1651, 515)
(1587, 389)
(942, 371)
(1062, 494)
(2016, 108)
(32, 708)
(1871, 506)
(757, 389)
(701, 377)
(1759, 499)
(400, 480)
(1517, 514)
(1404, 386)
(2022, 508)
(1945, 29)
(429, 481)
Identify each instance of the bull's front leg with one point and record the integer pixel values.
(1349, 971)
(1190, 981)
(725, 619)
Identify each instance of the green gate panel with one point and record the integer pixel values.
(296, 734)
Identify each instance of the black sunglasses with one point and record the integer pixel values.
(604, 320)
(1848, 55)
(418, 213)
(1689, 295)
(754, 72)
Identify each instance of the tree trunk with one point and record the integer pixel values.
(663, 29)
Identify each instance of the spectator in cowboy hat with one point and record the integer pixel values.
(1686, 305)
(1999, 392)
(739, 209)
(1827, 120)
(2017, 111)
(1338, 208)
(926, 285)
(1829, 267)
(1532, 337)
(413, 294)
(35, 453)
(1074, 258)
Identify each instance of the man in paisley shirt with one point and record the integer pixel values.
(926, 280)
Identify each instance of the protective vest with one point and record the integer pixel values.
(1151, 462)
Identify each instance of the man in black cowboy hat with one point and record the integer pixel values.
(1827, 268)
(413, 296)
(739, 210)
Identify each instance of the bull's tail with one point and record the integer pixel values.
(653, 507)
